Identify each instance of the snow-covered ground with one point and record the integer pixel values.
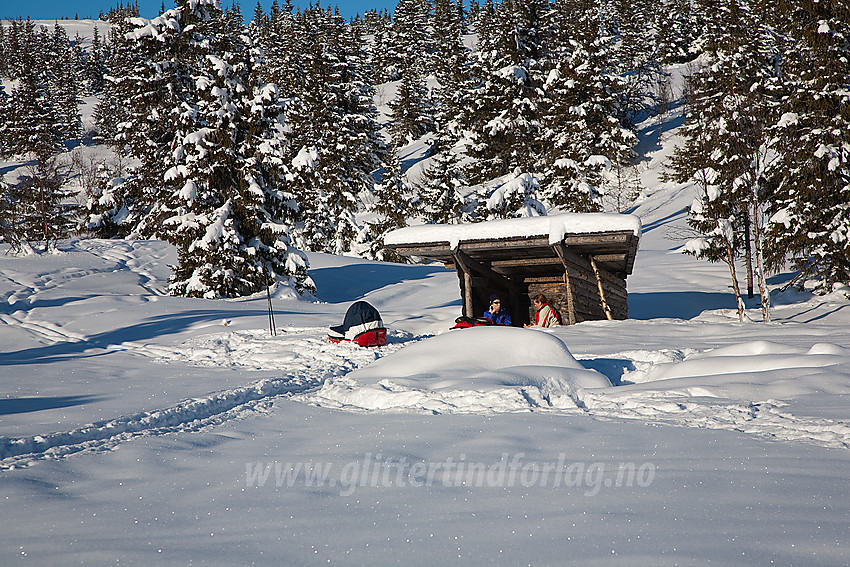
(138, 428)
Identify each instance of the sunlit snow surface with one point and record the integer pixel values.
(136, 428)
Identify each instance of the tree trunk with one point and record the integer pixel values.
(730, 260)
(44, 219)
(763, 290)
(749, 254)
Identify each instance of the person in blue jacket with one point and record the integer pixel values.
(496, 313)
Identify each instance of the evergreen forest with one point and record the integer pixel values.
(246, 140)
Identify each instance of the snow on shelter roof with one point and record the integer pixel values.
(556, 227)
(527, 247)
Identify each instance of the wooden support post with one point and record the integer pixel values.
(465, 278)
(469, 265)
(601, 289)
(561, 251)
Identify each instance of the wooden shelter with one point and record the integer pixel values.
(579, 261)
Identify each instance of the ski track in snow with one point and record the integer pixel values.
(136, 257)
(188, 415)
(41, 329)
(114, 256)
(306, 357)
(126, 259)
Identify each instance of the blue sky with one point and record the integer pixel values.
(58, 9)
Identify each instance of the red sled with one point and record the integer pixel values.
(370, 338)
(466, 322)
(362, 326)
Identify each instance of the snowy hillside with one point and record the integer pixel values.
(141, 428)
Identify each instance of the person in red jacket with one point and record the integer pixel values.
(546, 316)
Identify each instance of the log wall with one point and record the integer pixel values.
(585, 295)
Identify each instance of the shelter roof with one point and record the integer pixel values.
(525, 247)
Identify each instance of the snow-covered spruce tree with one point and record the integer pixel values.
(144, 87)
(107, 111)
(440, 197)
(409, 51)
(452, 66)
(375, 31)
(45, 214)
(472, 12)
(516, 198)
(33, 117)
(334, 117)
(749, 75)
(357, 132)
(219, 199)
(4, 52)
(383, 70)
(11, 231)
(636, 56)
(259, 24)
(308, 115)
(810, 212)
(583, 136)
(281, 45)
(95, 63)
(63, 81)
(485, 27)
(5, 122)
(505, 108)
(410, 109)
(390, 208)
(738, 92)
(315, 228)
(33, 128)
(79, 65)
(678, 30)
(445, 28)
(20, 42)
(117, 203)
(409, 41)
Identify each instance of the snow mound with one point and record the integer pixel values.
(487, 369)
(754, 370)
(746, 387)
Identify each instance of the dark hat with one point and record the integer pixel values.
(494, 297)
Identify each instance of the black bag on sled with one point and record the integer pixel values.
(362, 325)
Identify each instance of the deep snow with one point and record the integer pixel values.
(138, 428)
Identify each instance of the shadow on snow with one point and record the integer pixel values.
(677, 304)
(612, 368)
(27, 405)
(347, 283)
(156, 327)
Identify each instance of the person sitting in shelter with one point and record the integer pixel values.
(546, 316)
(496, 313)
